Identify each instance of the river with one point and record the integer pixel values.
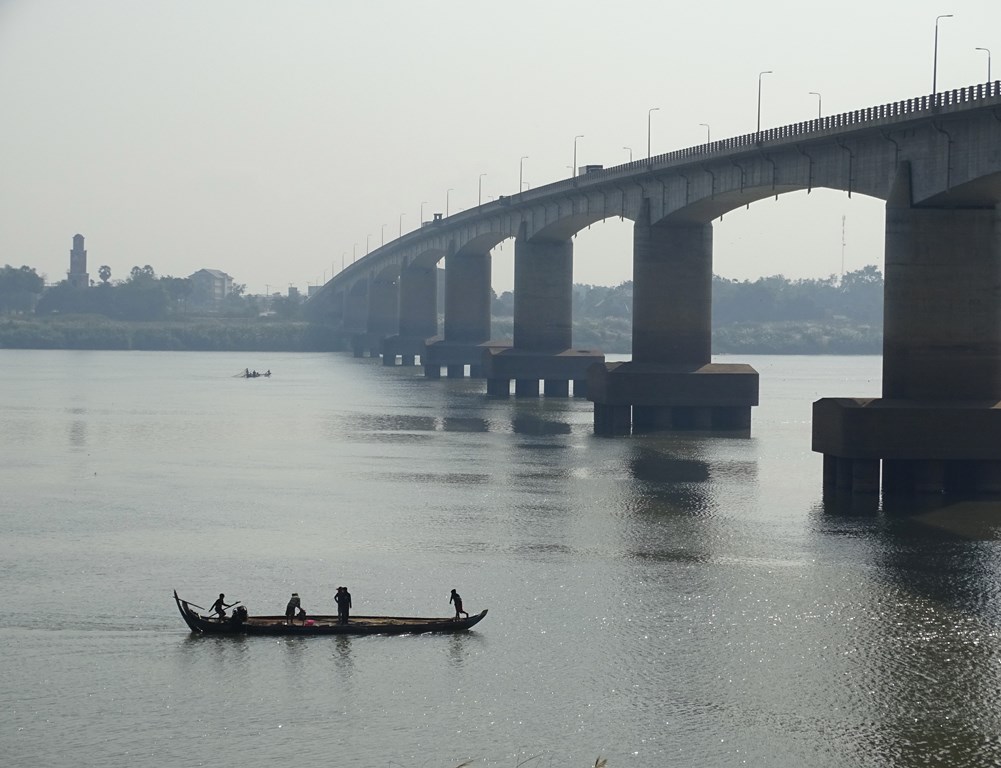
(659, 600)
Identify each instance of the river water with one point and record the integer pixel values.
(671, 600)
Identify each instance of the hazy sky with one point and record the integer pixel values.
(277, 139)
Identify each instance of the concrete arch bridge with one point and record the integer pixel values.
(935, 160)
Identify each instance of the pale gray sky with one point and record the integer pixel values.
(274, 139)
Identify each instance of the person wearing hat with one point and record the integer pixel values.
(290, 609)
(343, 600)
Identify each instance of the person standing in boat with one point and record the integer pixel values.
(457, 599)
(343, 600)
(292, 607)
(219, 606)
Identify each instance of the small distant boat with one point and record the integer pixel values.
(249, 374)
(240, 623)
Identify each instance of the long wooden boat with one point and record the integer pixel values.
(242, 624)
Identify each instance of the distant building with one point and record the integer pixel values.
(209, 287)
(77, 276)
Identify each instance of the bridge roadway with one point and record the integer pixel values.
(936, 160)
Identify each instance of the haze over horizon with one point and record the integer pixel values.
(277, 142)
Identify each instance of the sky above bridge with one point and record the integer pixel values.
(278, 141)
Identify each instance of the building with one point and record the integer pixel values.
(209, 287)
(77, 276)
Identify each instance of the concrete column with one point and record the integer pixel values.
(356, 308)
(942, 301)
(383, 308)
(419, 301)
(672, 292)
(543, 293)
(467, 297)
(612, 419)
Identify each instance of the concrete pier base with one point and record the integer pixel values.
(920, 447)
(641, 397)
(406, 348)
(366, 344)
(454, 356)
(555, 369)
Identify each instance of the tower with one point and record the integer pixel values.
(77, 276)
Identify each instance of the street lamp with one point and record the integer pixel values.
(766, 72)
(708, 135)
(574, 166)
(401, 223)
(367, 237)
(383, 234)
(423, 203)
(988, 52)
(447, 192)
(354, 252)
(814, 93)
(630, 151)
(479, 191)
(934, 68)
(521, 168)
(649, 112)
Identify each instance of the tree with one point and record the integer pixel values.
(104, 273)
(19, 288)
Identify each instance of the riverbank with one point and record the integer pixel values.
(202, 335)
(612, 336)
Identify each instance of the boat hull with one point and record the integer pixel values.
(322, 625)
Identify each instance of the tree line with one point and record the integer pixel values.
(142, 296)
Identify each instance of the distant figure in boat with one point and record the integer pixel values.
(293, 606)
(457, 599)
(343, 600)
(219, 606)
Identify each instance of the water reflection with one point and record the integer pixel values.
(927, 609)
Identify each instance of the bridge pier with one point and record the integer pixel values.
(418, 315)
(671, 383)
(937, 427)
(543, 326)
(467, 317)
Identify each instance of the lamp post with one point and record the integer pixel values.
(367, 238)
(479, 190)
(354, 252)
(423, 203)
(649, 113)
(708, 135)
(521, 169)
(814, 93)
(630, 151)
(447, 193)
(766, 72)
(934, 66)
(382, 235)
(988, 52)
(401, 223)
(574, 166)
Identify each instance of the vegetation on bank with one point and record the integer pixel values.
(770, 315)
(217, 335)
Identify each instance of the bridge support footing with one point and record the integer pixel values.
(915, 448)
(556, 371)
(644, 397)
(406, 348)
(454, 356)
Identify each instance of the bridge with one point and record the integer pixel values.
(935, 160)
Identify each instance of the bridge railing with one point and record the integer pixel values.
(858, 117)
(854, 118)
